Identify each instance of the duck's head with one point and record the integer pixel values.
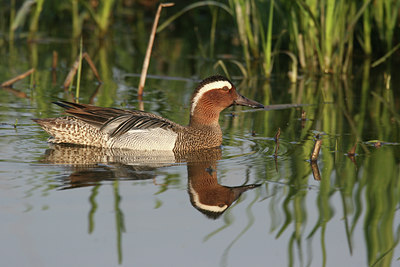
(213, 95)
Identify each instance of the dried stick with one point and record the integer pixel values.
(352, 154)
(74, 69)
(315, 171)
(149, 48)
(71, 74)
(378, 144)
(16, 92)
(303, 115)
(10, 82)
(54, 61)
(352, 151)
(303, 118)
(316, 149)
(92, 66)
(54, 68)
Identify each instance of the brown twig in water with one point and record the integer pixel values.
(315, 171)
(149, 47)
(10, 82)
(54, 67)
(316, 149)
(92, 97)
(92, 66)
(303, 115)
(377, 144)
(55, 60)
(71, 74)
(352, 151)
(74, 69)
(277, 135)
(16, 92)
(140, 102)
(303, 118)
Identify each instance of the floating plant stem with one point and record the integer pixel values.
(10, 82)
(316, 149)
(315, 171)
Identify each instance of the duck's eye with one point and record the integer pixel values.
(225, 88)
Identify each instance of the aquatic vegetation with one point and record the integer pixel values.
(316, 36)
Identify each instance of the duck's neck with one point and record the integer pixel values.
(201, 120)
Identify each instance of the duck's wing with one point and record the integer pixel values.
(93, 115)
(131, 122)
(116, 121)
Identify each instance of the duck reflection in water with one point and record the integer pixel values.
(206, 194)
(91, 165)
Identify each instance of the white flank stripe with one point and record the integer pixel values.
(145, 140)
(206, 88)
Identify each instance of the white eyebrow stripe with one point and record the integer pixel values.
(205, 89)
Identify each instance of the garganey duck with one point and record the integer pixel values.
(139, 130)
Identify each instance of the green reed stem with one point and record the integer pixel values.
(268, 42)
(34, 25)
(76, 29)
(241, 22)
(386, 56)
(367, 46)
(102, 16)
(12, 17)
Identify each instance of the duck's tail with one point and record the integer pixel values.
(69, 130)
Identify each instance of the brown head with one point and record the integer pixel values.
(213, 95)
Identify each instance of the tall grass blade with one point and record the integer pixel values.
(385, 57)
(190, 7)
(22, 14)
(34, 26)
(268, 42)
